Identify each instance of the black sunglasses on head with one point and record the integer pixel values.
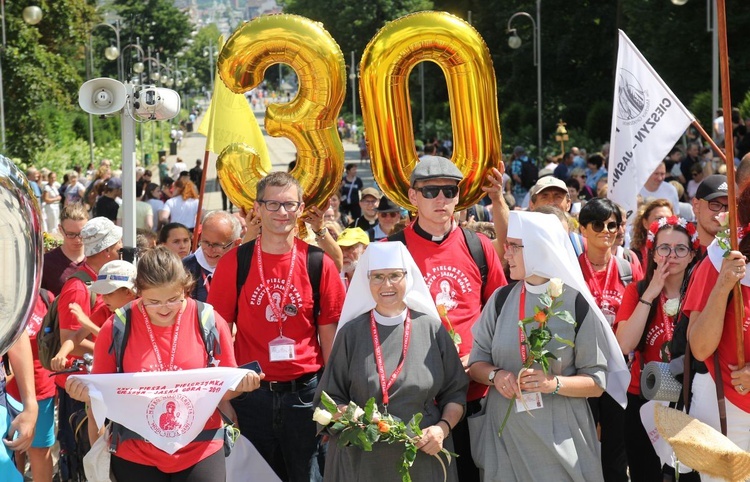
(431, 192)
(598, 226)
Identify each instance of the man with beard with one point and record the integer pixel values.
(352, 242)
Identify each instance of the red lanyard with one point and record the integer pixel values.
(386, 385)
(155, 347)
(277, 310)
(599, 291)
(668, 323)
(521, 316)
(206, 281)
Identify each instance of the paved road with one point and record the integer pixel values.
(280, 149)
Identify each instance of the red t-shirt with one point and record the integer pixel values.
(660, 332)
(606, 286)
(44, 385)
(139, 357)
(256, 322)
(75, 291)
(703, 280)
(455, 282)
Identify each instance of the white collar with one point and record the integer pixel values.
(201, 259)
(536, 289)
(389, 320)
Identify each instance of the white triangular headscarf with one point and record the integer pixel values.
(548, 252)
(385, 255)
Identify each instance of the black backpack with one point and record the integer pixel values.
(48, 337)
(314, 270)
(475, 248)
(529, 174)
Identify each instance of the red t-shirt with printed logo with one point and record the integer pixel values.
(44, 385)
(455, 282)
(256, 322)
(702, 282)
(75, 291)
(606, 285)
(139, 356)
(660, 332)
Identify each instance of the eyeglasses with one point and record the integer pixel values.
(219, 246)
(379, 278)
(598, 226)
(717, 207)
(368, 201)
(273, 206)
(512, 247)
(389, 215)
(70, 235)
(166, 304)
(431, 192)
(679, 250)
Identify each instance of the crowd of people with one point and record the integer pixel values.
(418, 310)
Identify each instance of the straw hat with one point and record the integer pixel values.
(700, 446)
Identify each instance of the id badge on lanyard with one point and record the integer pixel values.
(281, 349)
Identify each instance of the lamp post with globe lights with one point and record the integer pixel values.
(32, 15)
(514, 42)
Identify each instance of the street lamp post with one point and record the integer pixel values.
(32, 15)
(712, 25)
(210, 51)
(514, 41)
(353, 79)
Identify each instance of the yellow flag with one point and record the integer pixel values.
(229, 120)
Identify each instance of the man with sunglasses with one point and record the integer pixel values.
(442, 251)
(220, 232)
(389, 214)
(293, 344)
(710, 200)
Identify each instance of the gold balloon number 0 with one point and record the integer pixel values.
(309, 120)
(463, 56)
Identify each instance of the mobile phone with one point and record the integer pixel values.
(253, 365)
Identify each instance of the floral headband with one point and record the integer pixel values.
(657, 225)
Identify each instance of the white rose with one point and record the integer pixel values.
(555, 287)
(358, 412)
(321, 416)
(375, 416)
(723, 219)
(671, 306)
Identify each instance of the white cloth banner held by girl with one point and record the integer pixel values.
(169, 409)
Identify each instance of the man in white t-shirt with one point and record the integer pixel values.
(179, 166)
(656, 188)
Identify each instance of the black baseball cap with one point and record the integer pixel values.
(712, 187)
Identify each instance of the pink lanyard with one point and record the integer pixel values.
(206, 281)
(386, 385)
(155, 347)
(521, 316)
(277, 311)
(599, 294)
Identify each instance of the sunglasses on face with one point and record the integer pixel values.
(598, 226)
(431, 192)
(388, 215)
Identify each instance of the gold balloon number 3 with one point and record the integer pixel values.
(465, 60)
(309, 120)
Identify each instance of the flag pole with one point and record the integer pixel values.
(726, 99)
(708, 139)
(200, 200)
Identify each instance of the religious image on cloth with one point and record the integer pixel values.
(169, 409)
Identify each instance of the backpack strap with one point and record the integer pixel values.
(624, 270)
(84, 276)
(209, 332)
(582, 310)
(120, 334)
(46, 297)
(502, 295)
(244, 260)
(399, 236)
(477, 254)
(315, 273)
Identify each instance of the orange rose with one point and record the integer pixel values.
(383, 426)
(540, 317)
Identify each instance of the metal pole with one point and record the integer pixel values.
(538, 36)
(128, 175)
(353, 78)
(89, 72)
(421, 83)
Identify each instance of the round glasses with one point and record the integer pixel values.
(679, 250)
(166, 304)
(598, 226)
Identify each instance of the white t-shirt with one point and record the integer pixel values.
(664, 191)
(177, 169)
(182, 211)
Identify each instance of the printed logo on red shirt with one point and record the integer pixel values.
(170, 416)
(276, 286)
(449, 279)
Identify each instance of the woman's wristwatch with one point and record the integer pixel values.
(491, 376)
(319, 235)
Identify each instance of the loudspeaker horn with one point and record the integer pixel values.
(102, 96)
